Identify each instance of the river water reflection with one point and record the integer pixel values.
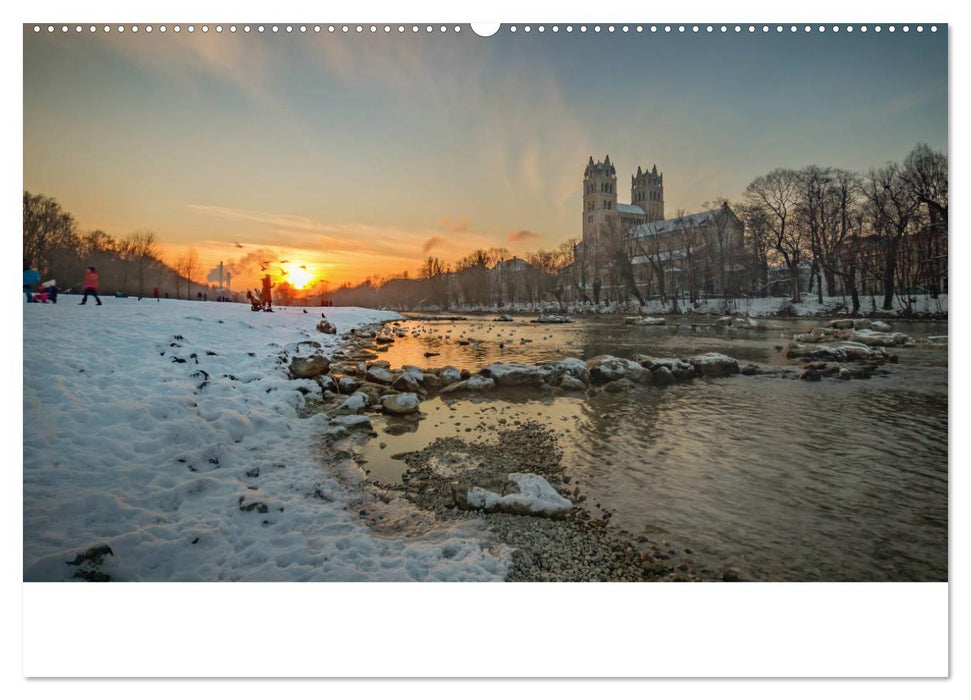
(777, 478)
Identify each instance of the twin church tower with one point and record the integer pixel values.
(600, 197)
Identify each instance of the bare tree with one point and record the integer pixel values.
(143, 251)
(777, 195)
(48, 229)
(892, 208)
(187, 267)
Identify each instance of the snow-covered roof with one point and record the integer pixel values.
(630, 209)
(668, 225)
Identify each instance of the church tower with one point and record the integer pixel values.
(647, 192)
(599, 197)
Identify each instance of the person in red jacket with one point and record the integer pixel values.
(91, 285)
(155, 293)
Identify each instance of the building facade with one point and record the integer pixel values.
(700, 253)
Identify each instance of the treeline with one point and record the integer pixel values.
(815, 230)
(883, 232)
(487, 277)
(58, 249)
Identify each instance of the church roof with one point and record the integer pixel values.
(630, 209)
(667, 225)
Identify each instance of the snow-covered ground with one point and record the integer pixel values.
(756, 307)
(125, 446)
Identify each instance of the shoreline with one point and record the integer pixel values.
(580, 546)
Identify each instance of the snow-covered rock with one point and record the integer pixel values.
(353, 422)
(679, 369)
(450, 374)
(644, 321)
(570, 383)
(477, 382)
(553, 319)
(607, 368)
(400, 404)
(535, 497)
(379, 375)
(844, 352)
(714, 364)
(354, 403)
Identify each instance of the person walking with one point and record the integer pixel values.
(91, 286)
(155, 293)
(31, 278)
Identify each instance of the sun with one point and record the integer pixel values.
(298, 275)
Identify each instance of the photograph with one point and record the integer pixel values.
(405, 303)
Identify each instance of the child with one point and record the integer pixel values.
(91, 286)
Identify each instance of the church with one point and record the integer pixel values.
(700, 253)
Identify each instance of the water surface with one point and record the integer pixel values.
(777, 478)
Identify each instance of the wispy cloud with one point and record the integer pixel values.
(523, 235)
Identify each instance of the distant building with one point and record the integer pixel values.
(702, 252)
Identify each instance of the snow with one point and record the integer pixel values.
(148, 426)
(535, 496)
(754, 307)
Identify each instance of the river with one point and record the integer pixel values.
(778, 479)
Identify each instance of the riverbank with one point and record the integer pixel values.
(164, 442)
(922, 307)
(429, 413)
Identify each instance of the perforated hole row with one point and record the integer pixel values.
(441, 29)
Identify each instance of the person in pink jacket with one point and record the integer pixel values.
(91, 285)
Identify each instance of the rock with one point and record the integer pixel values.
(379, 375)
(714, 364)
(383, 364)
(326, 382)
(327, 327)
(400, 428)
(450, 374)
(840, 323)
(534, 496)
(811, 375)
(880, 326)
(503, 318)
(514, 374)
(844, 373)
(455, 388)
(607, 368)
(383, 340)
(553, 319)
(353, 422)
(877, 339)
(839, 353)
(354, 403)
(679, 369)
(400, 404)
(746, 323)
(662, 376)
(750, 369)
(309, 367)
(347, 385)
(431, 381)
(571, 383)
(375, 392)
(407, 381)
(644, 321)
(478, 382)
(617, 386)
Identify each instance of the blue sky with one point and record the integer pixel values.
(361, 153)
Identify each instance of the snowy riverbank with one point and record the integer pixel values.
(923, 306)
(165, 430)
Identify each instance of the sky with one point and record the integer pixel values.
(362, 154)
